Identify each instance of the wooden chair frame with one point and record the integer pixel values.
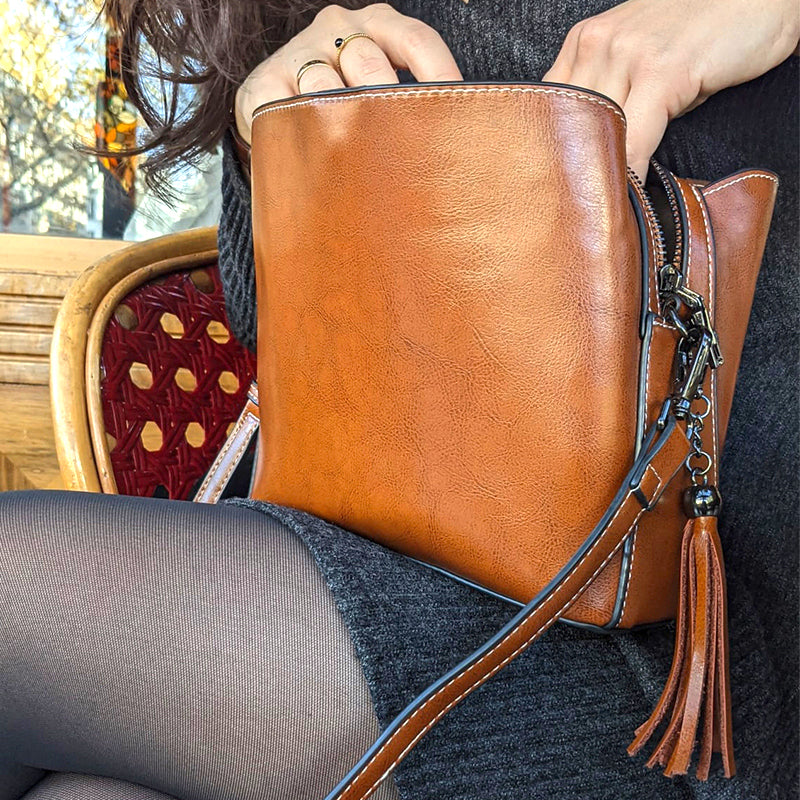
(77, 338)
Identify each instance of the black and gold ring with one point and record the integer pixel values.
(341, 43)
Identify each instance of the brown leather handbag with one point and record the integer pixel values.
(484, 344)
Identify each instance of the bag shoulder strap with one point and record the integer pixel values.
(662, 456)
(224, 465)
(663, 453)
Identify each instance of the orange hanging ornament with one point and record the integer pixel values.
(698, 683)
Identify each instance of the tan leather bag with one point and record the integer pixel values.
(484, 344)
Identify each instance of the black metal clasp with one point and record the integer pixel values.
(700, 320)
(698, 348)
(693, 361)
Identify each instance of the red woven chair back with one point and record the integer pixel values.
(173, 380)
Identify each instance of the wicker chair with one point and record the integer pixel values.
(146, 378)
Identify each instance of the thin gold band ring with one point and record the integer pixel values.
(308, 65)
(340, 44)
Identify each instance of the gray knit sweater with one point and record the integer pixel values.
(555, 723)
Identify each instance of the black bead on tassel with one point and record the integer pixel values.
(702, 501)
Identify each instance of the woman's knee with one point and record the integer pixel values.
(30, 511)
(24, 515)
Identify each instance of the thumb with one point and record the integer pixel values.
(647, 120)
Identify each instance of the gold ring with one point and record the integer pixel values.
(341, 43)
(308, 65)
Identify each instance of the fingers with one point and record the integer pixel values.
(397, 42)
(412, 45)
(624, 55)
(364, 63)
(318, 78)
(264, 84)
(647, 121)
(562, 67)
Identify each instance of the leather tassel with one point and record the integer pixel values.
(698, 684)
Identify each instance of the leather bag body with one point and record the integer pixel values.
(461, 342)
(484, 343)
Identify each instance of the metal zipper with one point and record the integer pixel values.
(655, 224)
(676, 215)
(669, 275)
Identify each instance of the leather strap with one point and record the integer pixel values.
(232, 452)
(662, 455)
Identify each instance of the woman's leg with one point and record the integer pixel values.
(68, 786)
(187, 648)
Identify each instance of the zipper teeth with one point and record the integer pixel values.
(661, 246)
(677, 260)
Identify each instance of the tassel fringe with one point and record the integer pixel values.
(698, 683)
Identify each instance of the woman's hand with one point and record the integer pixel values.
(401, 42)
(660, 58)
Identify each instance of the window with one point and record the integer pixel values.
(59, 86)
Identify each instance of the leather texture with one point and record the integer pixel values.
(232, 452)
(698, 683)
(652, 590)
(431, 380)
(740, 209)
(725, 231)
(662, 456)
(462, 354)
(449, 335)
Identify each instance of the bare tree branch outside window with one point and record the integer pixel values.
(55, 63)
(50, 65)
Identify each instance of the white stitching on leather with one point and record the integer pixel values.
(444, 90)
(664, 325)
(251, 422)
(634, 534)
(712, 313)
(508, 658)
(726, 184)
(247, 418)
(490, 674)
(220, 456)
(699, 199)
(688, 233)
(652, 296)
(702, 205)
(629, 576)
(655, 472)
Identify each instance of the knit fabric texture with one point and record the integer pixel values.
(555, 722)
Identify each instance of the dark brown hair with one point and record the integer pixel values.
(211, 45)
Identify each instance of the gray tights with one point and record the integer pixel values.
(192, 651)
